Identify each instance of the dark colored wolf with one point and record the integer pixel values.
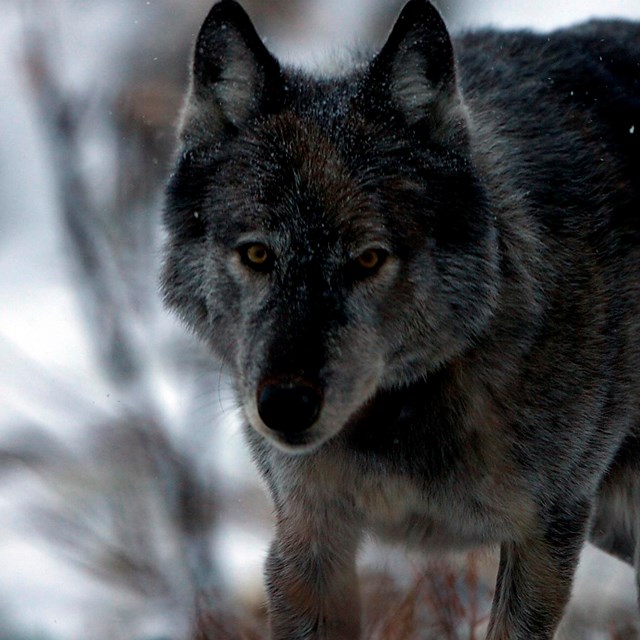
(423, 275)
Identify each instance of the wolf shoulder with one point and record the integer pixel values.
(536, 84)
(562, 111)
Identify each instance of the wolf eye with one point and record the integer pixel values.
(368, 263)
(369, 259)
(257, 256)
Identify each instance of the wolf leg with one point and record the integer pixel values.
(636, 558)
(312, 584)
(615, 527)
(535, 576)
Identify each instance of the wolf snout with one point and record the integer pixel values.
(289, 406)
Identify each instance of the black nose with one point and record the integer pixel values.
(289, 407)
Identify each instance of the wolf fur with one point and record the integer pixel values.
(423, 276)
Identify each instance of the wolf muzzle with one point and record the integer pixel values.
(289, 407)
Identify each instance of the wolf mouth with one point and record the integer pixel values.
(374, 424)
(385, 414)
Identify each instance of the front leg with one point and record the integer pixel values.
(535, 576)
(311, 577)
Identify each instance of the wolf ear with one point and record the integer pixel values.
(234, 77)
(415, 72)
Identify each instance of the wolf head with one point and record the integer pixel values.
(328, 237)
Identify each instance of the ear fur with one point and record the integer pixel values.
(415, 73)
(234, 77)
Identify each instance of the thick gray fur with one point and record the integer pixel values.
(481, 383)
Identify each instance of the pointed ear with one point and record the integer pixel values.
(234, 77)
(415, 72)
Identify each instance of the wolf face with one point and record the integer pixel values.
(329, 238)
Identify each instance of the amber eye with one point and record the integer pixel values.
(368, 262)
(369, 259)
(257, 256)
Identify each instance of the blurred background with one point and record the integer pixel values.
(128, 507)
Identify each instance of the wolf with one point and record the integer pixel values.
(422, 273)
